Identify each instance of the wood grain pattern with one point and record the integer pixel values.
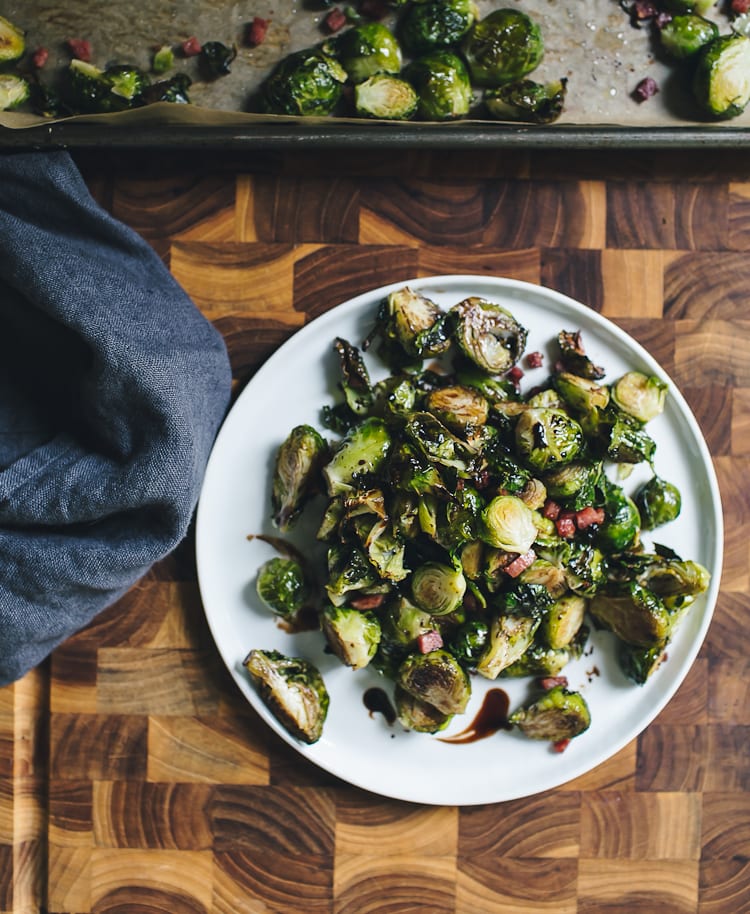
(133, 775)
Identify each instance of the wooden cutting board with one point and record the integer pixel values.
(133, 775)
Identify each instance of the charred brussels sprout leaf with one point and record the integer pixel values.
(366, 50)
(469, 641)
(14, 91)
(352, 635)
(527, 101)
(436, 24)
(503, 47)
(436, 441)
(385, 97)
(174, 90)
(684, 35)
(658, 502)
(281, 586)
(557, 715)
(548, 438)
(306, 83)
(721, 81)
(215, 59)
(296, 474)
(12, 41)
(574, 358)
(442, 84)
(639, 663)
(293, 690)
(639, 395)
(438, 589)
(355, 379)
(438, 679)
(488, 334)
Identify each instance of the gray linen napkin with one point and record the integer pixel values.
(112, 388)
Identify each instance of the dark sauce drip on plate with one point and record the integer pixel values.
(377, 702)
(491, 717)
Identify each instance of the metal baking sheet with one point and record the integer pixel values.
(591, 42)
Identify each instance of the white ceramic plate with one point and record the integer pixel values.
(362, 748)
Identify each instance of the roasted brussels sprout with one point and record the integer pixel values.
(281, 585)
(173, 90)
(469, 641)
(355, 379)
(292, 689)
(639, 663)
(558, 714)
(503, 47)
(385, 97)
(573, 356)
(488, 334)
(564, 619)
(626, 439)
(436, 24)
(658, 502)
(508, 524)
(414, 322)
(305, 83)
(640, 395)
(721, 80)
(509, 638)
(353, 635)
(350, 571)
(360, 453)
(438, 589)
(438, 679)
(583, 395)
(296, 474)
(538, 660)
(14, 91)
(436, 442)
(622, 522)
(163, 59)
(673, 577)
(96, 91)
(548, 438)
(576, 484)
(636, 615)
(684, 35)
(12, 41)
(415, 714)
(366, 50)
(442, 84)
(215, 59)
(460, 408)
(527, 101)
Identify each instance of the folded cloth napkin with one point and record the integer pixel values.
(112, 388)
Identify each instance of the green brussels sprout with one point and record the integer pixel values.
(442, 84)
(411, 471)
(296, 471)
(96, 91)
(488, 334)
(350, 570)
(415, 714)
(436, 24)
(575, 484)
(636, 615)
(292, 689)
(468, 642)
(437, 443)
(538, 660)
(385, 97)
(640, 395)
(564, 620)
(437, 588)
(585, 569)
(305, 83)
(582, 394)
(507, 523)
(548, 575)
(460, 408)
(558, 714)
(281, 585)
(438, 679)
(414, 322)
(639, 663)
(684, 35)
(509, 638)
(527, 101)
(12, 41)
(503, 47)
(14, 91)
(402, 624)
(678, 7)
(548, 438)
(658, 502)
(460, 520)
(384, 549)
(366, 50)
(675, 578)
(360, 454)
(622, 522)
(352, 635)
(721, 79)
(627, 441)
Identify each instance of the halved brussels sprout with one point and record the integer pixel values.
(437, 588)
(527, 101)
(538, 660)
(305, 83)
(385, 550)
(640, 395)
(508, 524)
(581, 394)
(636, 615)
(558, 714)
(721, 79)
(349, 570)
(292, 689)
(359, 455)
(442, 84)
(564, 620)
(658, 502)
(296, 474)
(575, 484)
(548, 575)
(627, 441)
(415, 322)
(438, 679)
(488, 334)
(509, 638)
(437, 443)
(415, 714)
(12, 41)
(548, 438)
(385, 97)
(462, 409)
(675, 578)
(352, 635)
(503, 47)
(281, 585)
(14, 91)
(573, 356)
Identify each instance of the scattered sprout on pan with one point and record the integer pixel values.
(470, 529)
